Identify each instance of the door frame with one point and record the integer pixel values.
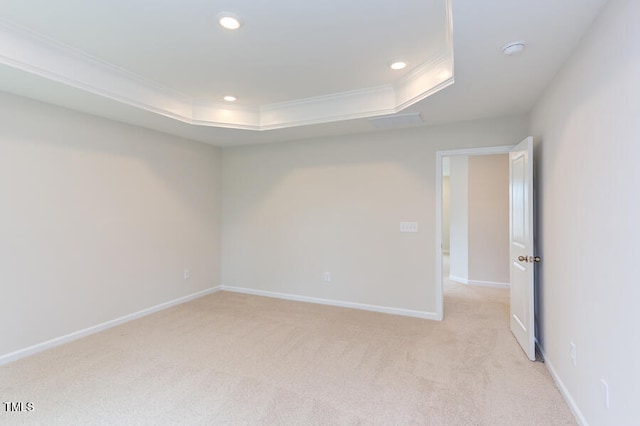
(492, 150)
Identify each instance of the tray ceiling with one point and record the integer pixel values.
(291, 63)
(299, 70)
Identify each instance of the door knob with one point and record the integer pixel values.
(529, 259)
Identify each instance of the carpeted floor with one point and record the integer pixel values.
(243, 360)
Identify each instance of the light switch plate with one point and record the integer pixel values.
(408, 226)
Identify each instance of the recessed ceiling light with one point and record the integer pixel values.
(398, 65)
(229, 20)
(230, 98)
(513, 48)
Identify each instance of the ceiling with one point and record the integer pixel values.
(298, 69)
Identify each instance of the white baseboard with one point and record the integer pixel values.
(340, 303)
(21, 353)
(563, 389)
(458, 279)
(488, 284)
(478, 282)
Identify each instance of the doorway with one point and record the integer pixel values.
(464, 258)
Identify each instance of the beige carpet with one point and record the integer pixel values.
(244, 360)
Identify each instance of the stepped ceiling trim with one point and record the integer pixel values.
(27, 51)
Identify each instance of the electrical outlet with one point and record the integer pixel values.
(605, 391)
(187, 273)
(327, 277)
(572, 353)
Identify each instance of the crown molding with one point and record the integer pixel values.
(327, 108)
(33, 53)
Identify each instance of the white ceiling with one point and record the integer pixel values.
(299, 61)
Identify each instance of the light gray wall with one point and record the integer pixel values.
(97, 220)
(587, 128)
(488, 219)
(292, 211)
(459, 218)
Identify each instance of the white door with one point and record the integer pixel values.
(521, 250)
